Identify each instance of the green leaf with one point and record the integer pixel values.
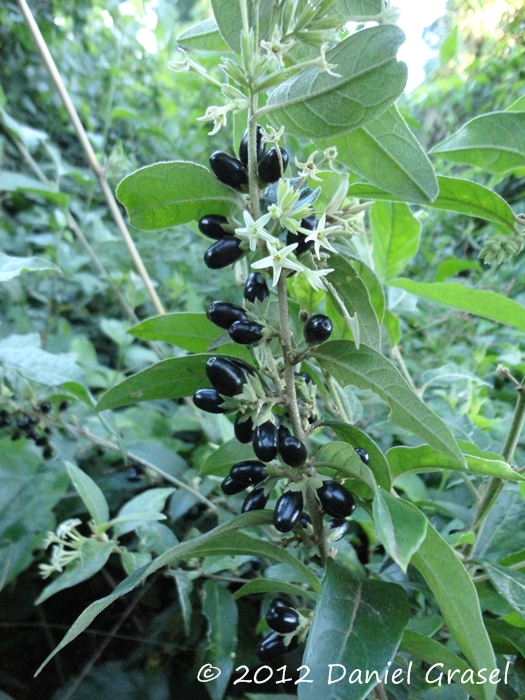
(90, 493)
(189, 331)
(400, 526)
(357, 624)
(433, 652)
(168, 379)
(314, 103)
(357, 438)
(219, 607)
(510, 584)
(229, 19)
(167, 194)
(426, 459)
(451, 267)
(180, 551)
(395, 233)
(354, 294)
(368, 369)
(355, 10)
(479, 302)
(503, 533)
(13, 267)
(457, 599)
(448, 48)
(387, 154)
(263, 585)
(222, 459)
(184, 587)
(17, 182)
(343, 457)
(93, 555)
(393, 326)
(148, 502)
(493, 142)
(518, 106)
(203, 36)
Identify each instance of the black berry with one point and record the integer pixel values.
(288, 510)
(266, 441)
(243, 429)
(223, 314)
(228, 169)
(305, 520)
(310, 223)
(249, 472)
(45, 406)
(17, 434)
(270, 167)
(225, 376)
(282, 619)
(256, 287)
(341, 526)
(208, 400)
(307, 377)
(211, 226)
(41, 441)
(47, 452)
(256, 500)
(291, 449)
(133, 475)
(63, 406)
(336, 500)
(317, 329)
(223, 253)
(246, 332)
(5, 420)
(365, 457)
(23, 421)
(230, 487)
(243, 147)
(271, 647)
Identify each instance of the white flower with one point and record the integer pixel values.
(65, 528)
(275, 47)
(314, 277)
(319, 236)
(309, 168)
(324, 65)
(254, 230)
(279, 258)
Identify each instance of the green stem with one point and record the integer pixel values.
(253, 183)
(316, 515)
(337, 399)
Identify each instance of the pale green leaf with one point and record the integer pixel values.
(474, 301)
(150, 501)
(518, 106)
(400, 525)
(12, 267)
(314, 103)
(167, 194)
(395, 233)
(510, 584)
(17, 182)
(493, 142)
(204, 36)
(368, 369)
(90, 493)
(355, 10)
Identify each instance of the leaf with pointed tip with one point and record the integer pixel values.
(368, 369)
(315, 104)
(90, 493)
(387, 154)
(493, 142)
(358, 624)
(479, 302)
(203, 36)
(400, 525)
(168, 194)
(13, 267)
(221, 460)
(395, 233)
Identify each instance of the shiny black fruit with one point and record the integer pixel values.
(223, 253)
(243, 429)
(317, 329)
(133, 475)
(243, 147)
(336, 500)
(305, 520)
(256, 500)
(249, 472)
(341, 526)
(225, 376)
(266, 441)
(365, 457)
(271, 647)
(23, 421)
(223, 314)
(211, 226)
(307, 377)
(45, 407)
(230, 487)
(246, 332)
(208, 400)
(288, 510)
(269, 166)
(256, 287)
(228, 169)
(292, 450)
(310, 223)
(282, 619)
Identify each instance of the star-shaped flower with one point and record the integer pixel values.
(320, 236)
(314, 277)
(254, 230)
(276, 48)
(279, 258)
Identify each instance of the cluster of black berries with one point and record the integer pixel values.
(283, 620)
(233, 172)
(25, 424)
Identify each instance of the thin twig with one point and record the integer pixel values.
(89, 152)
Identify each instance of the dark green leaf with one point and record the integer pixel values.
(493, 142)
(220, 609)
(343, 457)
(400, 525)
(12, 267)
(221, 460)
(264, 585)
(479, 302)
(203, 36)
(510, 584)
(189, 331)
(368, 369)
(184, 587)
(168, 379)
(167, 194)
(457, 599)
(503, 533)
(395, 234)
(357, 624)
(90, 493)
(314, 104)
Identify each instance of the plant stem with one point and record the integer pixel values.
(316, 515)
(90, 153)
(337, 399)
(252, 158)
